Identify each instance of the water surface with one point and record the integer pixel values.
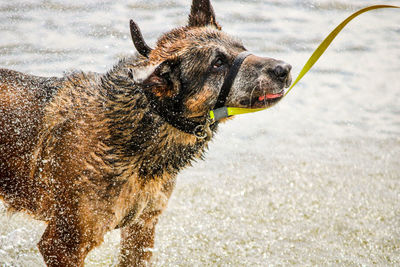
(313, 181)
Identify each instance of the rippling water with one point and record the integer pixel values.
(313, 181)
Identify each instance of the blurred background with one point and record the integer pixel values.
(312, 181)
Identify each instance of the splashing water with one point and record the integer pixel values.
(313, 181)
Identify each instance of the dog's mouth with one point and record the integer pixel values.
(266, 100)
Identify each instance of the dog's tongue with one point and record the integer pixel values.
(270, 96)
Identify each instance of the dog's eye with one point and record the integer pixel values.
(218, 63)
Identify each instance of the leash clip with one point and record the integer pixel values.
(203, 131)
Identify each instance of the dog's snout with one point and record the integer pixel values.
(282, 70)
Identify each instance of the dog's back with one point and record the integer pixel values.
(22, 101)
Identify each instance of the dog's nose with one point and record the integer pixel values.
(282, 70)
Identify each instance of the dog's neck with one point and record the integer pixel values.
(138, 134)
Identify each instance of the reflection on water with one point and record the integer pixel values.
(314, 181)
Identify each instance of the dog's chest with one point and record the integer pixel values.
(136, 204)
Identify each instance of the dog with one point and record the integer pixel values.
(90, 152)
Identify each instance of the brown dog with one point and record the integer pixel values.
(89, 153)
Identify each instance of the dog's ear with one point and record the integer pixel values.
(163, 79)
(202, 14)
(138, 40)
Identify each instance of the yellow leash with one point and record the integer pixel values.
(311, 61)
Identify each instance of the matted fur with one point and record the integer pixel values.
(91, 152)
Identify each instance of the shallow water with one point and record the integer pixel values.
(313, 181)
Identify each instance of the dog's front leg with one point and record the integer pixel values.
(72, 233)
(63, 244)
(55, 247)
(137, 241)
(137, 238)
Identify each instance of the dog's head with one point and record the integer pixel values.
(188, 67)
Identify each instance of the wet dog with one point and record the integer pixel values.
(89, 152)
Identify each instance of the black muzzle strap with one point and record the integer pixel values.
(220, 111)
(230, 78)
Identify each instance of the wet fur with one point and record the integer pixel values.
(89, 152)
(93, 147)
